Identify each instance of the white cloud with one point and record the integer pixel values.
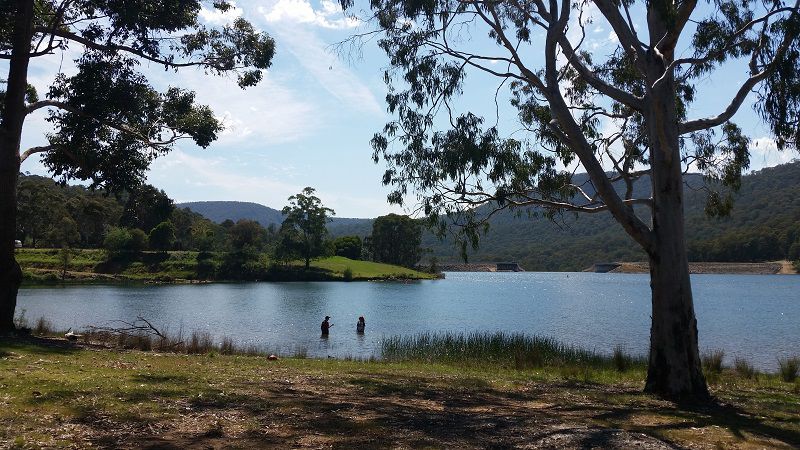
(338, 80)
(764, 153)
(210, 177)
(301, 11)
(217, 17)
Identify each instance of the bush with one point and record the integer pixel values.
(43, 327)
(162, 236)
(789, 368)
(117, 241)
(138, 241)
(348, 274)
(206, 269)
(348, 246)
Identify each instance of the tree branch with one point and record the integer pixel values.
(34, 150)
(213, 62)
(156, 145)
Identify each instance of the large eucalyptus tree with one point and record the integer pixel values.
(108, 122)
(618, 115)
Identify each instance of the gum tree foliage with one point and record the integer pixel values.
(108, 123)
(304, 228)
(146, 207)
(348, 246)
(396, 240)
(564, 93)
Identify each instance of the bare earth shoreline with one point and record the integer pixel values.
(765, 268)
(762, 268)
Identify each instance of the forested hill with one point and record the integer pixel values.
(764, 225)
(219, 211)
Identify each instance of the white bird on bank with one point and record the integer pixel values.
(72, 336)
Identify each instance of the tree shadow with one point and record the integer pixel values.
(36, 346)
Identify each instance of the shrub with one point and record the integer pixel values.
(162, 236)
(43, 327)
(138, 241)
(117, 241)
(712, 361)
(348, 274)
(789, 368)
(744, 368)
(206, 269)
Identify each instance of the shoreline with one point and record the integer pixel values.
(783, 267)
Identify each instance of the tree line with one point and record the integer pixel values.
(145, 219)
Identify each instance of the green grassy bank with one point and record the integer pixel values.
(56, 394)
(92, 265)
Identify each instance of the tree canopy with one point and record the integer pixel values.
(304, 225)
(108, 121)
(618, 114)
(396, 240)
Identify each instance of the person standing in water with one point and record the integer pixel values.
(360, 325)
(325, 326)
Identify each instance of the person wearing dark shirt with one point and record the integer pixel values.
(325, 326)
(360, 325)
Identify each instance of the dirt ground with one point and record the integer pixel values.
(103, 399)
(765, 268)
(401, 412)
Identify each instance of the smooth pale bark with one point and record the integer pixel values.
(674, 369)
(13, 116)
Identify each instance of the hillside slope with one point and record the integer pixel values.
(764, 225)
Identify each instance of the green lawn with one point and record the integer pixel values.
(367, 269)
(44, 265)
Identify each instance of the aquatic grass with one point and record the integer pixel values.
(712, 361)
(300, 352)
(200, 342)
(227, 347)
(515, 350)
(789, 368)
(622, 361)
(743, 368)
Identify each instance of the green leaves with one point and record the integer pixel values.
(303, 230)
(112, 138)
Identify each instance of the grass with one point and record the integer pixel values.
(744, 368)
(55, 395)
(43, 266)
(789, 368)
(367, 270)
(508, 351)
(712, 362)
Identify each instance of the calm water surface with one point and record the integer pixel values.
(752, 316)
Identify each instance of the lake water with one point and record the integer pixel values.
(752, 316)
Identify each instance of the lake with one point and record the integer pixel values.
(753, 316)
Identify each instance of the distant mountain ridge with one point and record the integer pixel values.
(220, 211)
(764, 224)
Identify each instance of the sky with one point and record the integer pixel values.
(309, 122)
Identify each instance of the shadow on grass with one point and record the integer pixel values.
(389, 410)
(35, 345)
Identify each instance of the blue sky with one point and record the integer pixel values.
(309, 122)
